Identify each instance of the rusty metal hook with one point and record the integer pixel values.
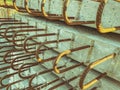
(71, 21)
(32, 11)
(28, 65)
(50, 16)
(48, 42)
(40, 73)
(6, 5)
(8, 54)
(19, 9)
(35, 43)
(14, 27)
(8, 76)
(99, 25)
(27, 30)
(66, 53)
(91, 66)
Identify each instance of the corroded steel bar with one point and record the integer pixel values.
(91, 66)
(66, 53)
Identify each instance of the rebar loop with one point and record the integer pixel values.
(6, 5)
(32, 11)
(23, 31)
(99, 25)
(21, 57)
(4, 84)
(72, 21)
(13, 28)
(49, 42)
(51, 16)
(28, 65)
(25, 44)
(11, 54)
(66, 53)
(16, 22)
(91, 66)
(19, 9)
(64, 82)
(40, 73)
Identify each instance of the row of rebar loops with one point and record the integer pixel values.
(64, 15)
(19, 46)
(21, 51)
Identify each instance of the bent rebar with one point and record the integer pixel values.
(91, 66)
(19, 9)
(27, 30)
(28, 65)
(32, 11)
(35, 43)
(99, 25)
(66, 53)
(64, 82)
(50, 16)
(71, 21)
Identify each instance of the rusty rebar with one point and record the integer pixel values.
(91, 66)
(15, 27)
(28, 65)
(7, 77)
(25, 45)
(27, 30)
(32, 11)
(72, 21)
(19, 9)
(66, 53)
(51, 16)
(63, 83)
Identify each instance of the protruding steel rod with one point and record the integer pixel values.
(99, 25)
(6, 5)
(91, 66)
(66, 53)
(28, 65)
(7, 77)
(19, 9)
(7, 67)
(48, 42)
(8, 54)
(25, 45)
(11, 23)
(27, 30)
(32, 11)
(50, 16)
(40, 73)
(63, 83)
(71, 21)
(14, 27)
(23, 57)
